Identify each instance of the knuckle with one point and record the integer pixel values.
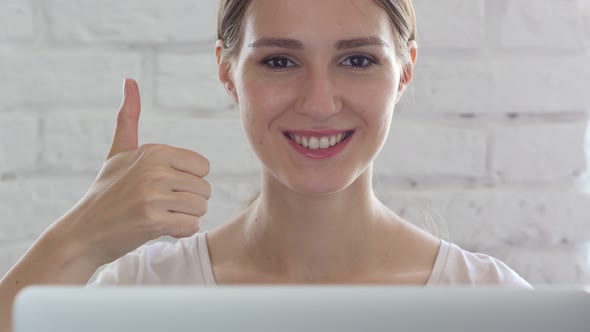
(147, 205)
(155, 176)
(148, 212)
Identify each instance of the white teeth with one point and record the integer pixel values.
(304, 142)
(315, 143)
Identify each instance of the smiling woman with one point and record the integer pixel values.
(316, 83)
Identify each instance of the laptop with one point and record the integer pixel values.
(300, 308)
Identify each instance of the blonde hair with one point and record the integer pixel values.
(431, 225)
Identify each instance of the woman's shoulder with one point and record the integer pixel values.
(456, 266)
(181, 261)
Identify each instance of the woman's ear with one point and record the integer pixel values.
(224, 67)
(408, 69)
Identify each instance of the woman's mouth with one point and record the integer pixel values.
(319, 142)
(319, 146)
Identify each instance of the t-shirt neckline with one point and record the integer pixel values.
(209, 278)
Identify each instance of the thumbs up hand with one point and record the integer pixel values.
(141, 193)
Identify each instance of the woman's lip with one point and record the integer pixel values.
(317, 133)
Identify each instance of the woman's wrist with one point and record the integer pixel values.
(68, 255)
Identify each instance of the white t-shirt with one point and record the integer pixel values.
(186, 262)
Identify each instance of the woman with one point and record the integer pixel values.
(316, 83)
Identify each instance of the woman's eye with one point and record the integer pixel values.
(360, 62)
(278, 62)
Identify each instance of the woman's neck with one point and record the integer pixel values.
(303, 237)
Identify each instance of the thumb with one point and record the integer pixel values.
(127, 120)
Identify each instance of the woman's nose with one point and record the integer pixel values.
(320, 97)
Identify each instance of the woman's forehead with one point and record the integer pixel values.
(332, 19)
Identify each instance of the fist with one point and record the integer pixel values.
(141, 192)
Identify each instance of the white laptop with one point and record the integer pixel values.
(300, 308)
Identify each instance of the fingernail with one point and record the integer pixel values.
(125, 87)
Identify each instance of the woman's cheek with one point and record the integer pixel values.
(269, 97)
(258, 109)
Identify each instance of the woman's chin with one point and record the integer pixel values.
(316, 183)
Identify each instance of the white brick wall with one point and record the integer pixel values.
(132, 21)
(548, 151)
(50, 78)
(18, 133)
(177, 87)
(492, 83)
(561, 25)
(488, 143)
(462, 24)
(416, 148)
(16, 21)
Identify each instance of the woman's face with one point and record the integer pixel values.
(310, 74)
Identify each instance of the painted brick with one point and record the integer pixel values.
(540, 24)
(133, 21)
(540, 152)
(450, 85)
(29, 206)
(74, 77)
(191, 81)
(532, 84)
(535, 84)
(16, 20)
(78, 143)
(18, 142)
(427, 149)
(450, 24)
(496, 217)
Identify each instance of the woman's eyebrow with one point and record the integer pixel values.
(294, 44)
